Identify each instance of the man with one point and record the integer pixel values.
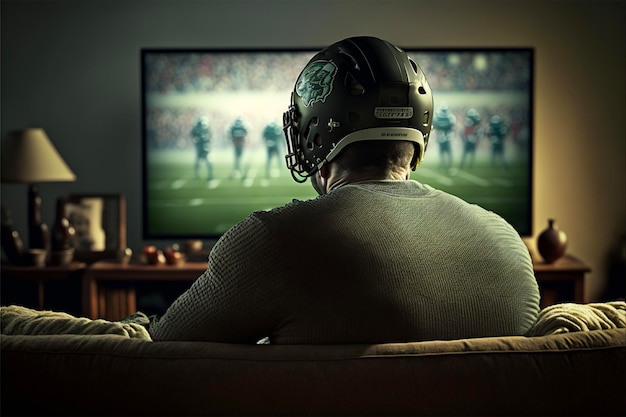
(376, 257)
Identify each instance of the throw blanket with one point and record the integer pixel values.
(554, 319)
(571, 317)
(17, 320)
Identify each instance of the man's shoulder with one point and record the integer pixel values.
(293, 207)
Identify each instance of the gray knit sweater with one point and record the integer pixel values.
(384, 261)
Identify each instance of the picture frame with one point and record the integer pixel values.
(99, 221)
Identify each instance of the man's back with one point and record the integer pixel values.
(369, 262)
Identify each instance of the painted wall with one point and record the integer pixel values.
(72, 67)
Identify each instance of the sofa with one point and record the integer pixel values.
(570, 373)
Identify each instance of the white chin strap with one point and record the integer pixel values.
(379, 133)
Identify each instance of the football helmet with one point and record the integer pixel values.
(444, 120)
(360, 88)
(495, 120)
(472, 117)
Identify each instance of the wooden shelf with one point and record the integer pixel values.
(59, 279)
(562, 280)
(109, 287)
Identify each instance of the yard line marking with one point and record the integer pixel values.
(428, 173)
(249, 180)
(159, 185)
(178, 184)
(473, 178)
(213, 184)
(503, 182)
(268, 201)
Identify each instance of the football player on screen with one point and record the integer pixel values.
(443, 125)
(201, 138)
(273, 137)
(470, 135)
(497, 133)
(238, 136)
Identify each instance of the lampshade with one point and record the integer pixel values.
(28, 156)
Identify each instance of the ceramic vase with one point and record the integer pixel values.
(38, 233)
(552, 242)
(62, 251)
(12, 244)
(62, 232)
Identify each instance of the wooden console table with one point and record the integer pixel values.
(62, 280)
(561, 281)
(108, 291)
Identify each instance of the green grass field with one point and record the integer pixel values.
(504, 191)
(180, 205)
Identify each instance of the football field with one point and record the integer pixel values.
(181, 205)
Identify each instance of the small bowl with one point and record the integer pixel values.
(124, 255)
(174, 257)
(35, 257)
(191, 246)
(62, 257)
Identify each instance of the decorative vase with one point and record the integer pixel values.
(551, 243)
(62, 237)
(38, 233)
(12, 244)
(62, 232)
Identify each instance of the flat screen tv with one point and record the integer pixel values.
(192, 98)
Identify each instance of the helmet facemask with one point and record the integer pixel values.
(294, 156)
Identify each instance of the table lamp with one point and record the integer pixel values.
(28, 156)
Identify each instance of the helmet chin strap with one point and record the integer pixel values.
(418, 155)
(319, 180)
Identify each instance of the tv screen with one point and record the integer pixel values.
(212, 122)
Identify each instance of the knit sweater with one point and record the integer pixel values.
(370, 262)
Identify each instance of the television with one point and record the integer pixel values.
(191, 98)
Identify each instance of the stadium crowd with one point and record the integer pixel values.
(181, 73)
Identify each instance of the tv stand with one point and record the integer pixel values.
(109, 287)
(561, 281)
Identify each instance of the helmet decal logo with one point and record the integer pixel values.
(316, 82)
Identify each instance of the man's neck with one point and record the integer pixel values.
(338, 178)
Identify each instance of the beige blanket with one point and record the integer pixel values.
(571, 317)
(17, 320)
(554, 319)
